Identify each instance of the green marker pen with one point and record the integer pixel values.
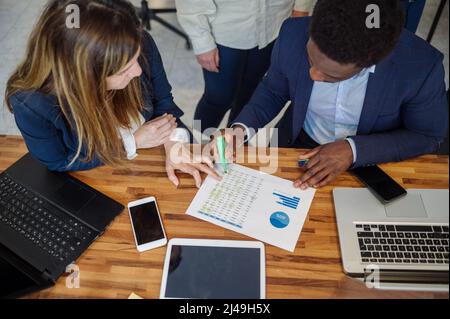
(221, 146)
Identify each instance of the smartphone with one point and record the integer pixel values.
(146, 223)
(379, 183)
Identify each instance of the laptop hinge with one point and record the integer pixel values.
(47, 277)
(406, 276)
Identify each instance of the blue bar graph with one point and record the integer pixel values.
(291, 202)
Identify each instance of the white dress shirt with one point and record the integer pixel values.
(334, 109)
(237, 24)
(127, 134)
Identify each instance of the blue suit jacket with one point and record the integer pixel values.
(405, 108)
(47, 133)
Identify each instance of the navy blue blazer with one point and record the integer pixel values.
(47, 133)
(405, 112)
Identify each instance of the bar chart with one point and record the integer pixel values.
(286, 200)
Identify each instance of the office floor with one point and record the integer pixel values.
(17, 18)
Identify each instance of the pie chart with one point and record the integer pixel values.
(279, 220)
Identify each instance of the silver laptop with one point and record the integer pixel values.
(402, 245)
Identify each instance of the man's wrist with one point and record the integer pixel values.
(353, 147)
(243, 129)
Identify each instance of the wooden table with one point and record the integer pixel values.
(112, 267)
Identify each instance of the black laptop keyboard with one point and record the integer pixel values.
(403, 244)
(58, 234)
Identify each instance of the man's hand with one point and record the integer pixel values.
(209, 60)
(326, 162)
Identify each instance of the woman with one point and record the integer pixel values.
(92, 95)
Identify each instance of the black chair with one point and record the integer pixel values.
(146, 14)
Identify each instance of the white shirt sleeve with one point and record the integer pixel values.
(304, 5)
(247, 131)
(195, 16)
(353, 146)
(129, 143)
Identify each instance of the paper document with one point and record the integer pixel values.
(255, 204)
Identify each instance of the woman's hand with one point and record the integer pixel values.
(155, 132)
(179, 157)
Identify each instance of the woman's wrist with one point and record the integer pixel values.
(137, 140)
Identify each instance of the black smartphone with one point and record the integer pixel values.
(379, 183)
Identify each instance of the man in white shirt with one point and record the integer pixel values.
(233, 42)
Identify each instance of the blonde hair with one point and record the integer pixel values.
(73, 65)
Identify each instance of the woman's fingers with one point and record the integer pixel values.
(207, 160)
(208, 170)
(171, 175)
(161, 121)
(195, 173)
(168, 127)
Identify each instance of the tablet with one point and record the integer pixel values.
(214, 269)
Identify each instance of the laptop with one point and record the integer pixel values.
(402, 245)
(47, 220)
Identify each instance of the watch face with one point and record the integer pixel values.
(179, 135)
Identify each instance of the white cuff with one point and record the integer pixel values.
(180, 135)
(203, 44)
(353, 146)
(129, 144)
(304, 5)
(247, 130)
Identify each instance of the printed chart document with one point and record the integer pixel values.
(256, 204)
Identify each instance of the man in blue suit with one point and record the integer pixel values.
(360, 93)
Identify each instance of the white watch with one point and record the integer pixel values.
(180, 135)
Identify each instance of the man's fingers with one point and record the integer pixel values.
(217, 59)
(330, 178)
(213, 67)
(318, 177)
(209, 65)
(172, 176)
(311, 172)
(313, 161)
(309, 154)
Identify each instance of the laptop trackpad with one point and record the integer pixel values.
(410, 206)
(72, 196)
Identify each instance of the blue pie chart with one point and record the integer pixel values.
(279, 220)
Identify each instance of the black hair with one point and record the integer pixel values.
(339, 29)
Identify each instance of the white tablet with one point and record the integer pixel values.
(214, 269)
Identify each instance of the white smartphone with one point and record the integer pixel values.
(147, 225)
